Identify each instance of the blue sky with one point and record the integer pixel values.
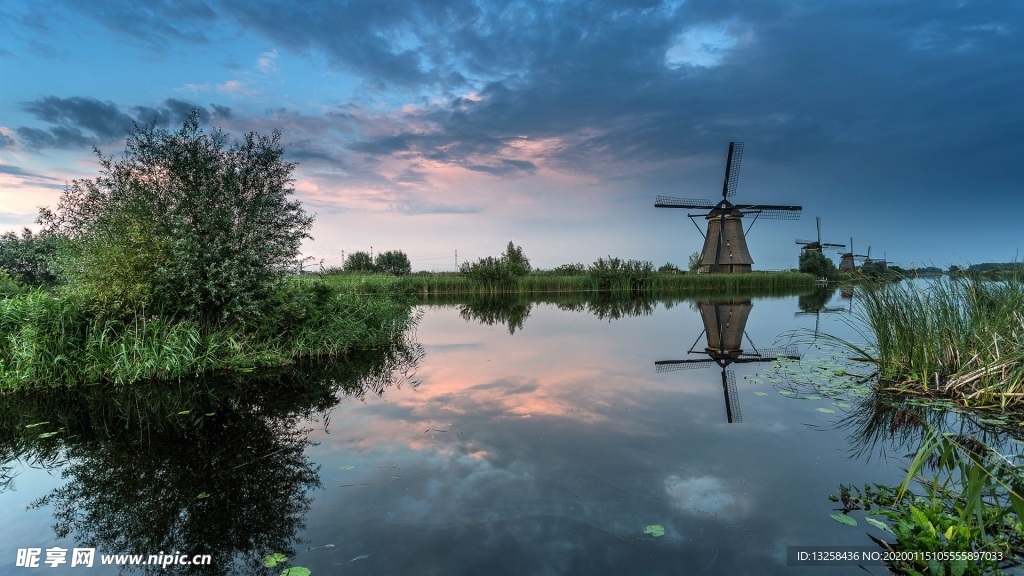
(438, 126)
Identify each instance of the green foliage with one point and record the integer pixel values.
(29, 259)
(513, 264)
(694, 262)
(570, 269)
(632, 275)
(359, 262)
(816, 263)
(182, 222)
(393, 262)
(668, 268)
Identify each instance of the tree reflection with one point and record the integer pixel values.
(213, 467)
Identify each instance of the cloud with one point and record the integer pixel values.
(235, 89)
(17, 171)
(81, 121)
(6, 141)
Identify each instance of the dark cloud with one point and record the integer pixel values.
(80, 121)
(6, 141)
(505, 168)
(17, 171)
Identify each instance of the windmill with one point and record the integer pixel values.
(818, 245)
(846, 260)
(725, 326)
(725, 244)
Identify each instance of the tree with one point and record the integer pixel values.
(517, 262)
(359, 262)
(30, 258)
(393, 262)
(694, 262)
(183, 222)
(816, 263)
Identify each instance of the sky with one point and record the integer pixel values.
(448, 128)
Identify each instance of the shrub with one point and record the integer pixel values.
(183, 222)
(393, 262)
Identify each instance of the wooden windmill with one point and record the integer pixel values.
(724, 327)
(846, 260)
(818, 245)
(725, 243)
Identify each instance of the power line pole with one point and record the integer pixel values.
(456, 258)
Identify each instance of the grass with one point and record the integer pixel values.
(52, 340)
(961, 337)
(455, 284)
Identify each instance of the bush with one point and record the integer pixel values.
(182, 222)
(634, 275)
(490, 270)
(359, 262)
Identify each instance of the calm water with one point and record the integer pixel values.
(540, 439)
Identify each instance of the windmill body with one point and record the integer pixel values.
(725, 243)
(847, 260)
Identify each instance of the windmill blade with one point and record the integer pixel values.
(766, 354)
(673, 202)
(771, 211)
(803, 241)
(672, 365)
(732, 169)
(732, 397)
(827, 245)
(817, 220)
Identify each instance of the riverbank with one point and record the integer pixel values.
(455, 284)
(54, 339)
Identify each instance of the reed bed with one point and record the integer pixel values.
(52, 340)
(546, 282)
(961, 337)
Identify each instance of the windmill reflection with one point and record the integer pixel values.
(724, 329)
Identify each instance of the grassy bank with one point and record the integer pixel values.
(455, 284)
(48, 339)
(961, 337)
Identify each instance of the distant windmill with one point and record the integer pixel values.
(724, 326)
(846, 261)
(818, 245)
(815, 304)
(725, 244)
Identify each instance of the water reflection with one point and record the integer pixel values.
(725, 325)
(215, 467)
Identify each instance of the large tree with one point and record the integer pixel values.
(183, 222)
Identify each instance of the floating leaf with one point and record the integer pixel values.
(813, 398)
(274, 559)
(36, 424)
(203, 495)
(760, 393)
(842, 405)
(826, 410)
(787, 392)
(183, 412)
(843, 519)
(47, 434)
(656, 530)
(210, 414)
(878, 524)
(296, 571)
(347, 467)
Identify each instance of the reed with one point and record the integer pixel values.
(960, 336)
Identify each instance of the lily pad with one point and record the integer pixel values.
(36, 424)
(47, 434)
(347, 467)
(842, 405)
(274, 559)
(787, 393)
(760, 393)
(843, 519)
(656, 530)
(826, 410)
(183, 412)
(296, 571)
(203, 495)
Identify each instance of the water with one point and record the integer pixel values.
(538, 439)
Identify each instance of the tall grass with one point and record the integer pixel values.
(52, 340)
(425, 284)
(960, 336)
